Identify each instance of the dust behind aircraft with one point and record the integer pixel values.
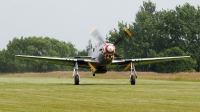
(101, 58)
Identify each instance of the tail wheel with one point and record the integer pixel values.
(132, 80)
(76, 79)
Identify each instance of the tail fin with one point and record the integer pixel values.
(90, 49)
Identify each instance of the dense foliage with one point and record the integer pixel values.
(37, 46)
(162, 33)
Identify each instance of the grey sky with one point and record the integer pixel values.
(69, 20)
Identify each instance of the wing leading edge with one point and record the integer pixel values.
(59, 61)
(143, 61)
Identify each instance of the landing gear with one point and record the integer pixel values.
(132, 79)
(93, 74)
(133, 76)
(77, 76)
(76, 79)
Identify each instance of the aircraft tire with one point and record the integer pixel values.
(132, 80)
(76, 80)
(93, 74)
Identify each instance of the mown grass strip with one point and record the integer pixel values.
(52, 93)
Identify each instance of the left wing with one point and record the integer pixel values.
(125, 63)
(60, 61)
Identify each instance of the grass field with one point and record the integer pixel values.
(52, 92)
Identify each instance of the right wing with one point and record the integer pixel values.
(60, 61)
(125, 63)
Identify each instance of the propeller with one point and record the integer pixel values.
(95, 33)
(121, 38)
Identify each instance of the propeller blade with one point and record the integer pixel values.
(117, 41)
(121, 38)
(95, 33)
(128, 32)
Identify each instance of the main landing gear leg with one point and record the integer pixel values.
(133, 76)
(76, 77)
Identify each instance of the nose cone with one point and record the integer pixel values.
(110, 48)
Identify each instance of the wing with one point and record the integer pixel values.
(125, 63)
(60, 61)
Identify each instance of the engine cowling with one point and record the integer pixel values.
(109, 48)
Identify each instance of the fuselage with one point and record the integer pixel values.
(104, 54)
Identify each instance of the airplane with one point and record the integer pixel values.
(101, 58)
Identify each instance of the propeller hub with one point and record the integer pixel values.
(109, 48)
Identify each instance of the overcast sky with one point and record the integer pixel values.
(69, 20)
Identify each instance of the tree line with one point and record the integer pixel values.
(155, 34)
(38, 46)
(174, 32)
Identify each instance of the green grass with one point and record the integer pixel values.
(52, 92)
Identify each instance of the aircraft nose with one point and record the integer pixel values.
(110, 48)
